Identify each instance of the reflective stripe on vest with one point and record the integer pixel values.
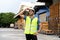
(31, 26)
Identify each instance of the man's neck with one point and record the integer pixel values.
(32, 16)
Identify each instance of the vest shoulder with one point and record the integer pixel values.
(36, 17)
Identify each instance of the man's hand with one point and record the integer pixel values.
(38, 31)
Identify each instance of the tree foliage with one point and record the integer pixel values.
(7, 18)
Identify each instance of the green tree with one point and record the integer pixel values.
(7, 18)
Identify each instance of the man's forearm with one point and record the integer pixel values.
(21, 12)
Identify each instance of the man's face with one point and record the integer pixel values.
(31, 12)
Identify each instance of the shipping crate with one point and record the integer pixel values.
(54, 18)
(54, 9)
(59, 29)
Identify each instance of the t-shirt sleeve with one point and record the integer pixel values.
(38, 24)
(38, 21)
(25, 17)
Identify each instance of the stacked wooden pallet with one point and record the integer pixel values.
(44, 28)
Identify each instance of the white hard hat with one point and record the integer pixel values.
(32, 9)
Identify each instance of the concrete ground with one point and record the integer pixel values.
(17, 34)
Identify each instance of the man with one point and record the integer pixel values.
(31, 24)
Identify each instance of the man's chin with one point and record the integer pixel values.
(31, 14)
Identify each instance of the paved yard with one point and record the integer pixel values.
(16, 34)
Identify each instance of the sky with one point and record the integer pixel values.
(12, 5)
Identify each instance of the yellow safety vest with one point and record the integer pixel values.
(31, 26)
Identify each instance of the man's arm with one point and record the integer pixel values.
(39, 28)
(21, 14)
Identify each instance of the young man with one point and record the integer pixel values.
(31, 24)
